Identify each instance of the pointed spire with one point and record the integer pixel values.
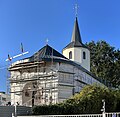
(76, 33)
(76, 40)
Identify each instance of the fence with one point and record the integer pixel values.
(6, 111)
(82, 115)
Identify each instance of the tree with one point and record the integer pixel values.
(90, 99)
(105, 62)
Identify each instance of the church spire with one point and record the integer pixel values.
(76, 38)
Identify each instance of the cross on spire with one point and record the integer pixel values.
(76, 9)
(47, 41)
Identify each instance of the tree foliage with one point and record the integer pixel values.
(89, 100)
(105, 62)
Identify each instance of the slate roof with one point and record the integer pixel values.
(47, 53)
(76, 40)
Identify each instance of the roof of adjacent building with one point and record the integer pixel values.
(76, 40)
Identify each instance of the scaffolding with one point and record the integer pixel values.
(35, 81)
(43, 80)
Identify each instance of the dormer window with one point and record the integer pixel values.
(70, 55)
(84, 55)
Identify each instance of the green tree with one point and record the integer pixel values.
(105, 62)
(90, 99)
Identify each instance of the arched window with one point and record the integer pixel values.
(84, 55)
(70, 55)
(27, 93)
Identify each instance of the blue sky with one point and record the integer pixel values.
(33, 21)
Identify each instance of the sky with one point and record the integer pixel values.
(32, 22)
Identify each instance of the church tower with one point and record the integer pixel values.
(76, 50)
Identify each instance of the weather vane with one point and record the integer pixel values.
(76, 9)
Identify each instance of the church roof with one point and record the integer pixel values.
(76, 40)
(46, 52)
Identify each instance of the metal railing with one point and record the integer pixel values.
(114, 114)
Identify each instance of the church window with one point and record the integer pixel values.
(84, 55)
(70, 55)
(27, 94)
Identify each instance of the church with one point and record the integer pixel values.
(49, 77)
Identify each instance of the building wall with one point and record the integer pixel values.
(16, 88)
(64, 92)
(46, 91)
(77, 78)
(4, 99)
(66, 53)
(77, 56)
(65, 82)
